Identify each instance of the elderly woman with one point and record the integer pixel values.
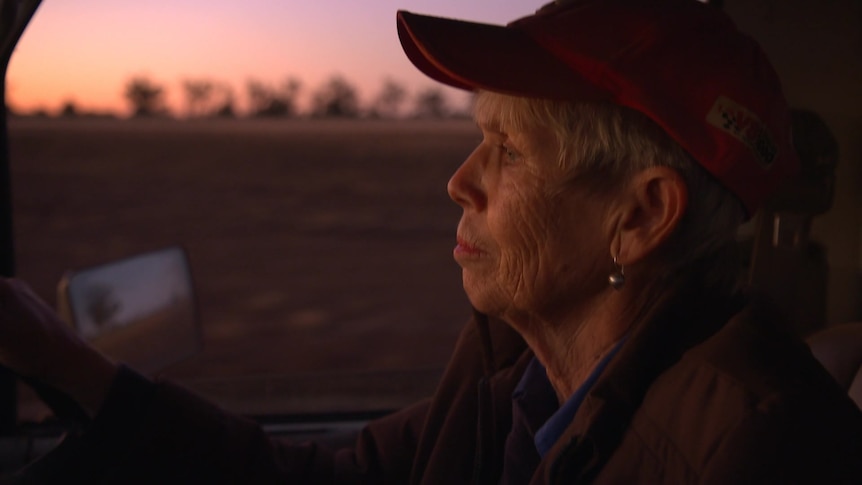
(624, 142)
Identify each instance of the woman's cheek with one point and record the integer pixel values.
(521, 270)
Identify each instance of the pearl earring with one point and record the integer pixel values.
(618, 278)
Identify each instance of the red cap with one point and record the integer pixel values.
(680, 62)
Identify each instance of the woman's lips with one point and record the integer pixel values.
(466, 250)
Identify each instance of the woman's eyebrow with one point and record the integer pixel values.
(492, 127)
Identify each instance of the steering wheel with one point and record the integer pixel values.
(54, 466)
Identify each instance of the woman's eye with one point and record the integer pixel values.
(511, 155)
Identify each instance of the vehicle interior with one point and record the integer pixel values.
(298, 271)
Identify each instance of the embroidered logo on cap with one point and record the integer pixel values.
(745, 126)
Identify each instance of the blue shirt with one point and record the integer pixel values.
(538, 420)
(554, 427)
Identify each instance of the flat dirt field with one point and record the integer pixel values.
(315, 245)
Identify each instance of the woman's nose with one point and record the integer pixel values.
(465, 185)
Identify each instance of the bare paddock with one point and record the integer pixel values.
(316, 246)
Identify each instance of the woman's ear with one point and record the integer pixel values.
(652, 205)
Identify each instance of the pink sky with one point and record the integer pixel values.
(85, 50)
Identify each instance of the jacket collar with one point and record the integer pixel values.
(683, 317)
(686, 317)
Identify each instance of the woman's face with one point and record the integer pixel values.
(528, 244)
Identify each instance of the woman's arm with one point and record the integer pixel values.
(158, 432)
(36, 344)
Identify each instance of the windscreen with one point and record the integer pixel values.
(290, 148)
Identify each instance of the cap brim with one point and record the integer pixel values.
(473, 56)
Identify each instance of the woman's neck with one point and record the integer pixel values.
(570, 347)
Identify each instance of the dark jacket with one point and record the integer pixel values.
(694, 396)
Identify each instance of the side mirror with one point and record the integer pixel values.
(141, 310)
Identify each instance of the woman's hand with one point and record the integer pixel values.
(36, 343)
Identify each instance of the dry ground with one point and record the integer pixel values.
(315, 246)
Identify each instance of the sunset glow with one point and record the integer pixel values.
(84, 51)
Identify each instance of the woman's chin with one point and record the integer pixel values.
(485, 299)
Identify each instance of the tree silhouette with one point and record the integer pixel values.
(145, 97)
(337, 98)
(198, 94)
(431, 103)
(69, 110)
(225, 106)
(101, 304)
(265, 101)
(388, 102)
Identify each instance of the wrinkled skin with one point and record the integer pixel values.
(532, 247)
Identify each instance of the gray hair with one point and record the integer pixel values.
(610, 143)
